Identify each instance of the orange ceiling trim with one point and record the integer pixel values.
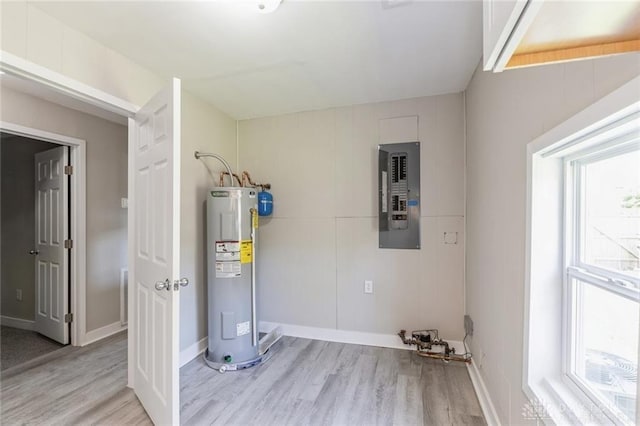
(580, 52)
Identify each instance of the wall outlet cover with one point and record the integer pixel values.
(451, 238)
(368, 287)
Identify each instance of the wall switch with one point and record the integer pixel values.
(124, 203)
(368, 287)
(19, 295)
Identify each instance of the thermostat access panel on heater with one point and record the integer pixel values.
(399, 195)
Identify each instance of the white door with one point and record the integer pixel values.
(156, 256)
(499, 19)
(52, 289)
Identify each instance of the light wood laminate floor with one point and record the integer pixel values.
(306, 382)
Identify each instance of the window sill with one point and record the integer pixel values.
(555, 402)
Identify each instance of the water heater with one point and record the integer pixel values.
(232, 220)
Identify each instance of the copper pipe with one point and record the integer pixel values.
(246, 176)
(437, 355)
(223, 174)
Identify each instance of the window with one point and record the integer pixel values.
(582, 284)
(603, 275)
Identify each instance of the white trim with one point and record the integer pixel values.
(607, 110)
(334, 335)
(190, 353)
(20, 323)
(78, 215)
(484, 398)
(102, 332)
(14, 65)
(346, 336)
(131, 223)
(520, 28)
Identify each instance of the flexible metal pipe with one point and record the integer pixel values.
(199, 155)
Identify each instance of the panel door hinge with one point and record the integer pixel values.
(68, 244)
(68, 317)
(68, 170)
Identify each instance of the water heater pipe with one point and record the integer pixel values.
(199, 155)
(254, 237)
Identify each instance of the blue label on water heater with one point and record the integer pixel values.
(412, 203)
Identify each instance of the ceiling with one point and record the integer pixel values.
(306, 55)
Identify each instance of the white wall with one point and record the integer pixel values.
(322, 241)
(204, 129)
(29, 33)
(106, 184)
(504, 112)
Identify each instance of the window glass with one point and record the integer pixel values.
(611, 227)
(606, 342)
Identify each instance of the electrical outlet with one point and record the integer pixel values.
(19, 295)
(368, 287)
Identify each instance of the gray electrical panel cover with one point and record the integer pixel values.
(399, 195)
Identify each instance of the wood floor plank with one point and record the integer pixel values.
(306, 382)
(408, 401)
(462, 397)
(385, 385)
(323, 411)
(357, 401)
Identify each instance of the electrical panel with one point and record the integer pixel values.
(399, 195)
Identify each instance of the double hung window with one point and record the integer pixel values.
(602, 286)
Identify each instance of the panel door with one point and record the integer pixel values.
(156, 257)
(51, 258)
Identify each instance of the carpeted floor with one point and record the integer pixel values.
(18, 346)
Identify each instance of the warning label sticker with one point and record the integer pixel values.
(228, 259)
(228, 269)
(243, 328)
(228, 256)
(227, 246)
(246, 251)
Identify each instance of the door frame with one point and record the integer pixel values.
(44, 77)
(78, 217)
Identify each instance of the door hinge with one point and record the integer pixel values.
(68, 170)
(68, 244)
(68, 317)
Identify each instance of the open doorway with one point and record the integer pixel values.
(33, 317)
(95, 239)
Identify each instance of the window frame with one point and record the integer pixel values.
(553, 397)
(578, 273)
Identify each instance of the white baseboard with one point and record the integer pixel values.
(102, 332)
(193, 351)
(20, 323)
(488, 409)
(346, 336)
(316, 333)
